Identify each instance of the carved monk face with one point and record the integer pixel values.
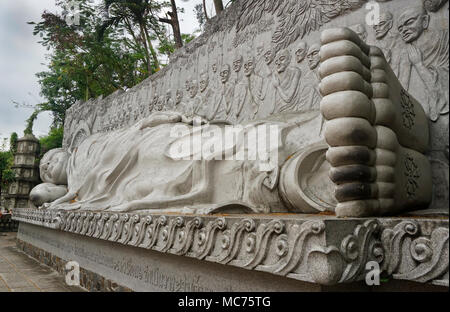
(179, 97)
(225, 73)
(249, 66)
(301, 51)
(433, 5)
(193, 89)
(313, 56)
(360, 30)
(204, 82)
(237, 64)
(53, 167)
(283, 60)
(269, 56)
(385, 25)
(412, 23)
(187, 84)
(214, 68)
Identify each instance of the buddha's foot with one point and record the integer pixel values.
(376, 132)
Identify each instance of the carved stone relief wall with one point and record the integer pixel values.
(261, 57)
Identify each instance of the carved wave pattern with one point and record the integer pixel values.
(295, 248)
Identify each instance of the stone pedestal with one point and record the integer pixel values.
(145, 252)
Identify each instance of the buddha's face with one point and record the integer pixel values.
(282, 61)
(204, 82)
(237, 64)
(301, 52)
(412, 23)
(384, 26)
(269, 56)
(313, 56)
(249, 66)
(225, 73)
(53, 167)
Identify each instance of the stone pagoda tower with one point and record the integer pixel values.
(26, 169)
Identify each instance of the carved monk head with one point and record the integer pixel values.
(237, 64)
(314, 56)
(204, 81)
(360, 30)
(179, 97)
(412, 23)
(53, 167)
(168, 95)
(300, 52)
(249, 66)
(283, 60)
(384, 26)
(269, 56)
(214, 68)
(193, 89)
(187, 84)
(433, 5)
(225, 73)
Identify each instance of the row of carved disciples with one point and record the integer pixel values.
(256, 88)
(269, 83)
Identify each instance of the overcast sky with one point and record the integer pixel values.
(21, 57)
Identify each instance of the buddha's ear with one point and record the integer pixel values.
(426, 21)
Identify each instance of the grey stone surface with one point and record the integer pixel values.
(320, 250)
(249, 69)
(20, 273)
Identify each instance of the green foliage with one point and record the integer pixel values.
(6, 162)
(13, 142)
(116, 45)
(30, 122)
(53, 140)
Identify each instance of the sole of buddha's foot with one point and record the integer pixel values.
(376, 157)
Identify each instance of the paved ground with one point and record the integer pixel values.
(21, 273)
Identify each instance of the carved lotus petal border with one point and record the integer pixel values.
(298, 248)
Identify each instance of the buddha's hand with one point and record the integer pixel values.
(161, 118)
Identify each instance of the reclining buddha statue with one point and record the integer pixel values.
(360, 155)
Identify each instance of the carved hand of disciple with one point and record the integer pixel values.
(414, 54)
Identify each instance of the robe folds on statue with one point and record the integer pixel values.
(145, 166)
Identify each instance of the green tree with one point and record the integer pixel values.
(6, 163)
(81, 66)
(13, 142)
(53, 140)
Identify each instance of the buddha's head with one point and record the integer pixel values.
(53, 166)
(412, 23)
